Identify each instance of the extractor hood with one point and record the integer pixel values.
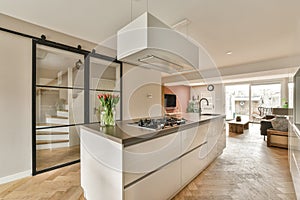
(150, 43)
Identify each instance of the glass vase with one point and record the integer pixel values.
(108, 116)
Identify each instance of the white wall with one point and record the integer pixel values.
(15, 106)
(15, 90)
(141, 92)
(219, 96)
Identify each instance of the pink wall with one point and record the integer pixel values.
(182, 93)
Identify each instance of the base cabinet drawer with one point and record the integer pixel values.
(158, 186)
(193, 163)
(145, 157)
(194, 137)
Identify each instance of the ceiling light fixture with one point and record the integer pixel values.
(229, 52)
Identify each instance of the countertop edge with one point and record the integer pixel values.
(148, 136)
(98, 132)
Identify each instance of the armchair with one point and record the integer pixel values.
(264, 125)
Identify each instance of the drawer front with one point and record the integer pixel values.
(159, 186)
(148, 156)
(194, 137)
(193, 163)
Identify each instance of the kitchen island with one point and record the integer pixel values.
(130, 162)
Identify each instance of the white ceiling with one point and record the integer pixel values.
(253, 30)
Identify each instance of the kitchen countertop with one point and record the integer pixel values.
(129, 135)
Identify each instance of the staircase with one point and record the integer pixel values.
(53, 137)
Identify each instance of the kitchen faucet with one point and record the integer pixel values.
(200, 104)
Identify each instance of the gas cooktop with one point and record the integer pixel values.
(159, 123)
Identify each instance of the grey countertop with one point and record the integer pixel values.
(129, 135)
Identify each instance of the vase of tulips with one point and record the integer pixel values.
(108, 112)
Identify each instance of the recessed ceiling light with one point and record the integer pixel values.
(229, 52)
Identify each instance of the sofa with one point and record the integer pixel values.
(264, 125)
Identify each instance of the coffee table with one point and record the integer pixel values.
(238, 127)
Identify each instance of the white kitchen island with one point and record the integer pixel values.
(134, 163)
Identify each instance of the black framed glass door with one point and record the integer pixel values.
(59, 106)
(66, 82)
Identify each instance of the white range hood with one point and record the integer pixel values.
(150, 43)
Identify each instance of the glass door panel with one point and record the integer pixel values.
(104, 79)
(59, 106)
(263, 99)
(61, 149)
(237, 101)
(59, 68)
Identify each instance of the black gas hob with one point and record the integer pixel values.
(160, 123)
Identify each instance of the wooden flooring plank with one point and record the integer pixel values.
(247, 169)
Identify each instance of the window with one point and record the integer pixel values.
(237, 100)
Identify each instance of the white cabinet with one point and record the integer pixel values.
(148, 156)
(222, 141)
(194, 137)
(296, 111)
(152, 170)
(193, 163)
(294, 157)
(196, 160)
(215, 130)
(159, 185)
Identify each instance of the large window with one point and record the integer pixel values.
(66, 84)
(263, 99)
(260, 103)
(237, 100)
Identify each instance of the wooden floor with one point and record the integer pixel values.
(47, 158)
(247, 169)
(61, 184)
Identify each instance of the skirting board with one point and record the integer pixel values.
(14, 177)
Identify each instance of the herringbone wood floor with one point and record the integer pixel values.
(47, 158)
(247, 169)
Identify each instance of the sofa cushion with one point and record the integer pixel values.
(280, 123)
